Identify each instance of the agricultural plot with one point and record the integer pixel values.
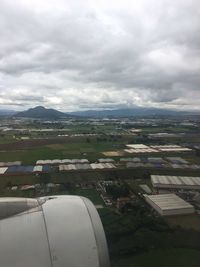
(165, 258)
(91, 193)
(113, 153)
(186, 222)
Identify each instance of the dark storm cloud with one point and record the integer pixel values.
(91, 54)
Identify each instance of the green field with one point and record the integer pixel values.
(92, 151)
(162, 258)
(137, 237)
(187, 222)
(133, 234)
(92, 194)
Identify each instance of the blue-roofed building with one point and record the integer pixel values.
(46, 168)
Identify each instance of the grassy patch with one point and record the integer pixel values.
(164, 258)
(191, 221)
(92, 194)
(52, 151)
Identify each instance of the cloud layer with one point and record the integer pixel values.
(76, 55)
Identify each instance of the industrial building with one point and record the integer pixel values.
(102, 166)
(171, 148)
(156, 160)
(86, 166)
(12, 163)
(137, 146)
(61, 161)
(20, 170)
(169, 204)
(134, 165)
(141, 148)
(106, 160)
(130, 160)
(146, 188)
(177, 160)
(175, 182)
(38, 168)
(3, 170)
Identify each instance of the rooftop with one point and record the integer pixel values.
(169, 204)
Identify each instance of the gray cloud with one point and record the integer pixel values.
(97, 54)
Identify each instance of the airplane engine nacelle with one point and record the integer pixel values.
(55, 231)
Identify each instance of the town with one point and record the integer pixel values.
(142, 174)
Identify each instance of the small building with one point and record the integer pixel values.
(46, 168)
(56, 161)
(66, 161)
(14, 188)
(106, 160)
(84, 161)
(171, 148)
(3, 170)
(27, 187)
(47, 162)
(75, 161)
(169, 204)
(175, 182)
(177, 160)
(146, 188)
(156, 160)
(38, 168)
(136, 160)
(50, 185)
(137, 146)
(121, 202)
(8, 164)
(39, 162)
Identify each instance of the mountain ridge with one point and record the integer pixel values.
(41, 112)
(130, 112)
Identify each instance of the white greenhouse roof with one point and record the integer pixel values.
(3, 170)
(168, 201)
(175, 180)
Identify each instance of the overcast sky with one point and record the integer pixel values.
(78, 55)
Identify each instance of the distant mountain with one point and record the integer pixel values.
(130, 112)
(4, 112)
(41, 113)
(44, 113)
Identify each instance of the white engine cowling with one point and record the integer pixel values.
(55, 231)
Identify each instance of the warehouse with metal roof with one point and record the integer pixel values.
(141, 150)
(169, 204)
(7, 164)
(61, 161)
(86, 166)
(38, 168)
(106, 160)
(19, 169)
(130, 160)
(177, 160)
(3, 170)
(176, 182)
(172, 148)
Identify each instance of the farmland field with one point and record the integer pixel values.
(136, 237)
(162, 258)
(92, 194)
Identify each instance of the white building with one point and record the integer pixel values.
(169, 204)
(175, 182)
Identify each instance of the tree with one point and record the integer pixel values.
(45, 178)
(117, 191)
